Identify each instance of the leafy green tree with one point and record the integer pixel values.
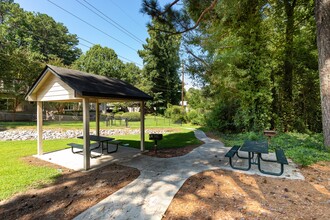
(131, 74)
(102, 61)
(38, 33)
(161, 64)
(258, 58)
(27, 42)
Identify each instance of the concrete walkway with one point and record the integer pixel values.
(149, 196)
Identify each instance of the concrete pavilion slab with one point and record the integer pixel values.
(66, 158)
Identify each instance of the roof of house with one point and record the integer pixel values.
(92, 85)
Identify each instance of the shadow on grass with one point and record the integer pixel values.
(170, 141)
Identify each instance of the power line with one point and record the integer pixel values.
(92, 26)
(84, 45)
(117, 54)
(85, 40)
(134, 20)
(110, 21)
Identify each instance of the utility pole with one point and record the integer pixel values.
(182, 95)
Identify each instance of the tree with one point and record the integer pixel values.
(102, 61)
(131, 74)
(53, 39)
(27, 42)
(322, 15)
(258, 59)
(37, 32)
(161, 64)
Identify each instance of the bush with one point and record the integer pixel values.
(131, 116)
(221, 117)
(176, 113)
(118, 115)
(195, 117)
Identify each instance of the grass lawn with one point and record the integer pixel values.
(150, 122)
(17, 176)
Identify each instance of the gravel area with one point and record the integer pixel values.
(11, 135)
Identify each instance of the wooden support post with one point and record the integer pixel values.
(97, 118)
(39, 127)
(142, 126)
(86, 134)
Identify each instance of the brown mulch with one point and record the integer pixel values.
(223, 194)
(70, 194)
(214, 194)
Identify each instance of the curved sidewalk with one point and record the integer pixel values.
(148, 196)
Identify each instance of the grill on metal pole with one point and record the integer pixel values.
(155, 137)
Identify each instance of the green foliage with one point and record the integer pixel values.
(263, 53)
(38, 33)
(176, 113)
(27, 42)
(160, 76)
(195, 98)
(101, 61)
(131, 74)
(196, 117)
(131, 116)
(104, 61)
(307, 156)
(303, 149)
(222, 117)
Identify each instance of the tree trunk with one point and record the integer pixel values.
(322, 17)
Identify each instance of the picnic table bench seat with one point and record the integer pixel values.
(81, 147)
(232, 151)
(280, 158)
(116, 143)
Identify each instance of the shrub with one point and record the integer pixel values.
(195, 117)
(131, 116)
(118, 115)
(221, 117)
(176, 113)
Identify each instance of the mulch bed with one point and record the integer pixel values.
(216, 194)
(70, 194)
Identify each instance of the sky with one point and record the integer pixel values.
(117, 24)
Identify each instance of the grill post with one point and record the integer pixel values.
(155, 138)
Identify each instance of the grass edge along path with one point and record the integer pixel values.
(18, 176)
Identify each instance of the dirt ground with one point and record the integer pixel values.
(71, 193)
(215, 194)
(232, 195)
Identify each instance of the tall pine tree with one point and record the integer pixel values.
(161, 64)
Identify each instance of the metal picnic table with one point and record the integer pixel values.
(256, 148)
(99, 145)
